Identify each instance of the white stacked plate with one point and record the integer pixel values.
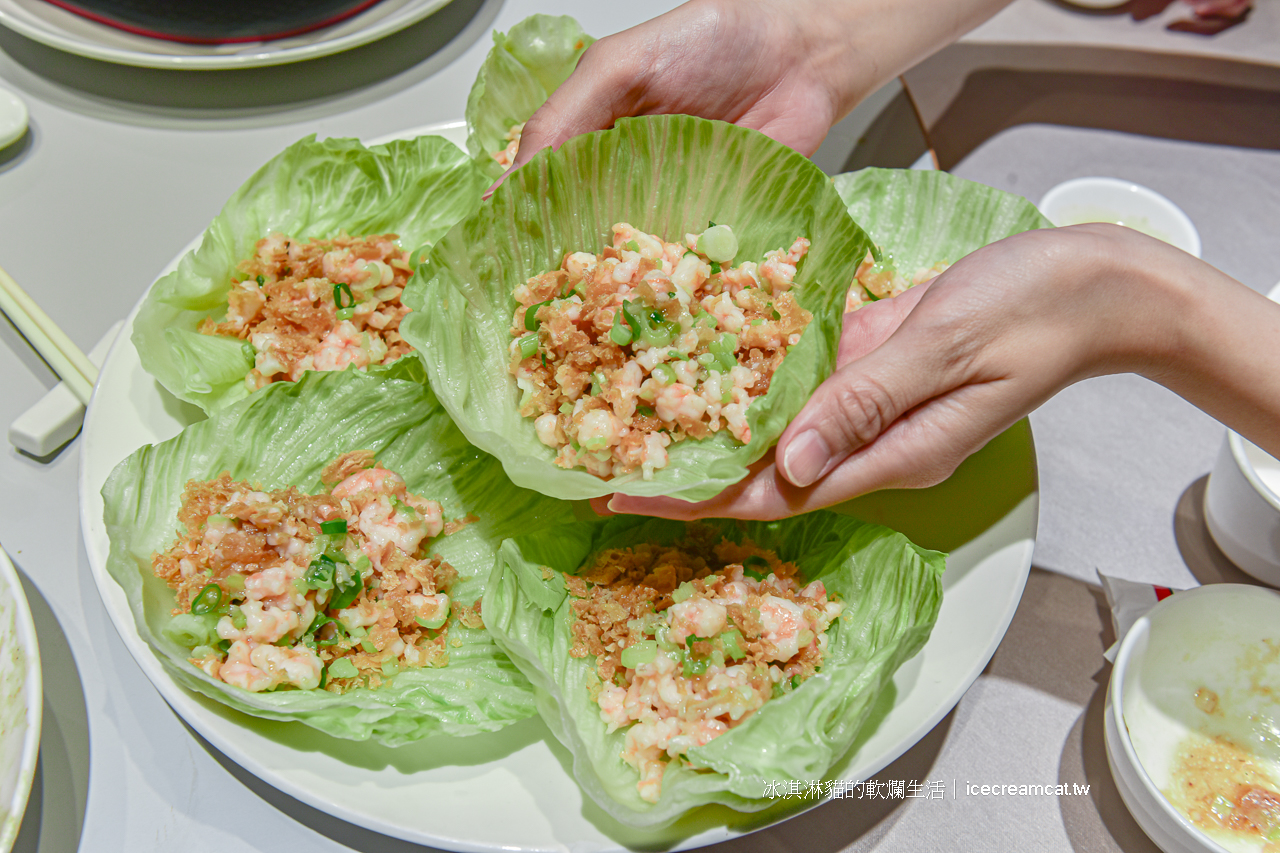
(58, 28)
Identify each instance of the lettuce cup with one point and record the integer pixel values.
(245, 308)
(923, 221)
(854, 600)
(642, 191)
(457, 683)
(525, 66)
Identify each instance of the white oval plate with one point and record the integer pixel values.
(511, 791)
(58, 28)
(21, 701)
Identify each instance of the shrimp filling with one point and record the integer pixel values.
(619, 355)
(333, 590)
(318, 305)
(691, 639)
(881, 280)
(507, 155)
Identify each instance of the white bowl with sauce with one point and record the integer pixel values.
(1123, 203)
(1192, 724)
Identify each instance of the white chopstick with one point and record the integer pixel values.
(52, 343)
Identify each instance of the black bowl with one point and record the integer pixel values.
(216, 21)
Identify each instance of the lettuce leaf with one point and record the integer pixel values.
(892, 591)
(524, 67)
(416, 188)
(668, 175)
(923, 217)
(285, 435)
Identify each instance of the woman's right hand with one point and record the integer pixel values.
(928, 378)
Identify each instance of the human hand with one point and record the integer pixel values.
(750, 62)
(928, 378)
(789, 68)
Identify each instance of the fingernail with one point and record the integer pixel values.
(806, 457)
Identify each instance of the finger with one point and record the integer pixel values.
(596, 94)
(922, 448)
(601, 505)
(872, 324)
(762, 494)
(864, 397)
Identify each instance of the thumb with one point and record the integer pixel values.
(856, 404)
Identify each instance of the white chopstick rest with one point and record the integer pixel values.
(56, 418)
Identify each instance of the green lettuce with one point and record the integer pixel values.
(524, 67)
(668, 175)
(922, 217)
(891, 589)
(285, 435)
(416, 188)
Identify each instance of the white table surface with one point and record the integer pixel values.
(123, 166)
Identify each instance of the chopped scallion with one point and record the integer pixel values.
(663, 373)
(718, 243)
(320, 573)
(531, 315)
(342, 296)
(342, 668)
(755, 567)
(207, 600)
(695, 666)
(732, 641)
(620, 334)
(641, 651)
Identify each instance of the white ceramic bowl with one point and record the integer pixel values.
(1124, 203)
(1241, 511)
(1242, 504)
(20, 702)
(1193, 640)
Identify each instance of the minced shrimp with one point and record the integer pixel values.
(507, 155)
(691, 639)
(333, 590)
(622, 354)
(880, 280)
(318, 305)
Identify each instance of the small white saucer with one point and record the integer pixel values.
(1124, 203)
